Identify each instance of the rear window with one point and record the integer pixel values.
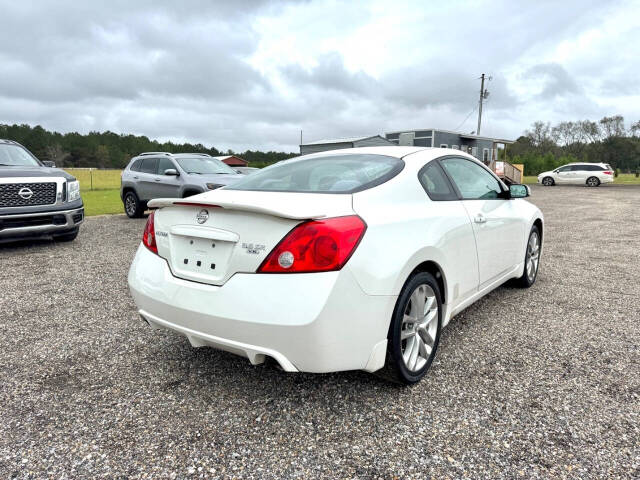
(149, 165)
(135, 166)
(589, 168)
(328, 174)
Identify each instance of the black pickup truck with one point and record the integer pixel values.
(36, 200)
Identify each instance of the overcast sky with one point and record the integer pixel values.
(252, 74)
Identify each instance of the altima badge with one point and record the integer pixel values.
(202, 216)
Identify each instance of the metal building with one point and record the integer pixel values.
(335, 144)
(483, 148)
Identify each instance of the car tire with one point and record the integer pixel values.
(531, 259)
(412, 345)
(190, 193)
(548, 181)
(133, 207)
(593, 182)
(67, 236)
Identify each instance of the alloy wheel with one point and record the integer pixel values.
(533, 256)
(130, 205)
(419, 328)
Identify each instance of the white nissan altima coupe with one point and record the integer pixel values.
(340, 260)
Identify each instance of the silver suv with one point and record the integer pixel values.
(161, 175)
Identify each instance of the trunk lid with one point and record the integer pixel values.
(209, 237)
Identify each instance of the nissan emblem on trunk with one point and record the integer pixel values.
(202, 216)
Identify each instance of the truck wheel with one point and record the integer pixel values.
(66, 237)
(132, 205)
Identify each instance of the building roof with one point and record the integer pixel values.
(341, 140)
(233, 160)
(461, 135)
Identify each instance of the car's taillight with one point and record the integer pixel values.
(608, 172)
(149, 235)
(316, 246)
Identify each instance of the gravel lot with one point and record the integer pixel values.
(533, 384)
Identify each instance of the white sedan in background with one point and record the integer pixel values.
(342, 260)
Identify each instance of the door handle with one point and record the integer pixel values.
(480, 218)
(158, 180)
(135, 178)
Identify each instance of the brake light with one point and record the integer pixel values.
(608, 172)
(203, 205)
(316, 246)
(149, 235)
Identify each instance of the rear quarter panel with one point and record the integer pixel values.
(406, 228)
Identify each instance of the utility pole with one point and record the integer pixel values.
(483, 94)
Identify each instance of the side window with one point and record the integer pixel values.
(149, 165)
(435, 182)
(564, 169)
(472, 180)
(164, 164)
(135, 166)
(579, 168)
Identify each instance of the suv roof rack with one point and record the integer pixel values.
(153, 153)
(197, 153)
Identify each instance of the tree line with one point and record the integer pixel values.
(544, 147)
(111, 150)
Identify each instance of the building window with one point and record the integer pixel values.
(455, 147)
(444, 145)
(485, 156)
(474, 151)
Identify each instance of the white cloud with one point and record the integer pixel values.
(252, 74)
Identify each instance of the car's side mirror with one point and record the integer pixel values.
(49, 163)
(238, 171)
(519, 191)
(171, 171)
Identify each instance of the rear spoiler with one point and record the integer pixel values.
(285, 211)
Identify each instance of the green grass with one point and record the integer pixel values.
(102, 202)
(623, 179)
(627, 179)
(96, 179)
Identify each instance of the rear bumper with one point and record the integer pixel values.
(320, 322)
(28, 225)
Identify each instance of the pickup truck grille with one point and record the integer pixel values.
(27, 194)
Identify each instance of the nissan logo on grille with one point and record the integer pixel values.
(25, 193)
(202, 216)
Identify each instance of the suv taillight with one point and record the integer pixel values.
(149, 235)
(316, 246)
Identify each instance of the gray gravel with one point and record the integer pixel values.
(533, 384)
